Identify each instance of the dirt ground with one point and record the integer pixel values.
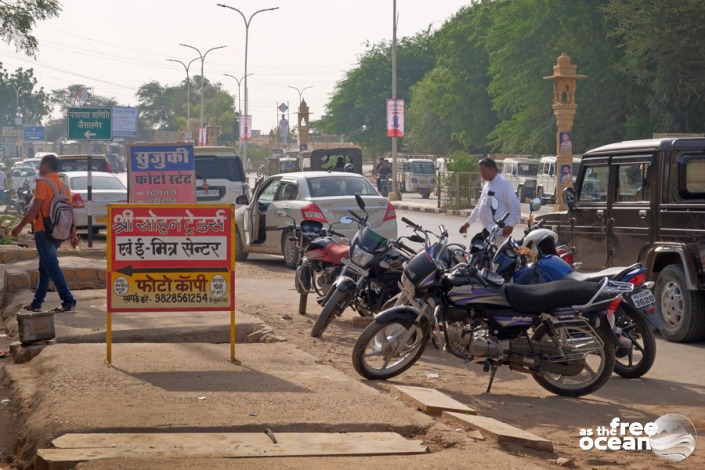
(515, 399)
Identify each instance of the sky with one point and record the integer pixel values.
(114, 46)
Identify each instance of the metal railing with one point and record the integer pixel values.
(458, 190)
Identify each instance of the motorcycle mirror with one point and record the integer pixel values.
(345, 220)
(360, 201)
(416, 239)
(281, 213)
(569, 198)
(494, 204)
(535, 204)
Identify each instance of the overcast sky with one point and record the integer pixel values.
(115, 46)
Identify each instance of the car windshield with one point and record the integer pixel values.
(327, 186)
(528, 169)
(211, 167)
(81, 164)
(79, 183)
(423, 168)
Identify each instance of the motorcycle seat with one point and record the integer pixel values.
(338, 253)
(594, 276)
(539, 298)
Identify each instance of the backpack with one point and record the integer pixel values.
(60, 220)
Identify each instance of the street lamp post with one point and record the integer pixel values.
(238, 80)
(18, 118)
(203, 60)
(188, 87)
(301, 92)
(247, 38)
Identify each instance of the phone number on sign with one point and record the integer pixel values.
(180, 298)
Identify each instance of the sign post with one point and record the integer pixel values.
(34, 134)
(171, 258)
(90, 124)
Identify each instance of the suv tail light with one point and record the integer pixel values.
(77, 201)
(313, 212)
(107, 165)
(391, 214)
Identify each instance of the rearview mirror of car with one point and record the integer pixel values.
(569, 198)
(241, 200)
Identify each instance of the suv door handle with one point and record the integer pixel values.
(642, 213)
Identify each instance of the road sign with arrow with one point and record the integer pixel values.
(90, 123)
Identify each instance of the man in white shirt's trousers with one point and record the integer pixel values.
(508, 202)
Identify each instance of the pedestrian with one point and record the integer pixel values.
(498, 187)
(49, 268)
(3, 182)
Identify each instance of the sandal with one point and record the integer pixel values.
(64, 308)
(3, 354)
(31, 307)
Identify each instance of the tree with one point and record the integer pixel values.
(663, 56)
(33, 102)
(357, 108)
(18, 18)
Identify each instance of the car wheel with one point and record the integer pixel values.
(682, 310)
(240, 254)
(290, 250)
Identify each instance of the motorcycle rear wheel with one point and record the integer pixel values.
(330, 309)
(599, 367)
(638, 330)
(379, 339)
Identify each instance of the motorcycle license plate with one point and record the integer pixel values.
(356, 269)
(643, 299)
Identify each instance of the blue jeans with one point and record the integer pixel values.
(49, 269)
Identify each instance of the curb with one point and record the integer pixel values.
(434, 210)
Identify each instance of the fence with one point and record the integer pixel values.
(458, 190)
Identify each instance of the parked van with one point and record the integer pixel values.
(546, 177)
(220, 176)
(521, 173)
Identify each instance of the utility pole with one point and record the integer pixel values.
(395, 196)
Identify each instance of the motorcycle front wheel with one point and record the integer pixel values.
(374, 355)
(597, 365)
(330, 309)
(634, 362)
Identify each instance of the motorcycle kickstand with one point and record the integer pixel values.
(492, 368)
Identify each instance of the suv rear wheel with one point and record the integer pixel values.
(682, 310)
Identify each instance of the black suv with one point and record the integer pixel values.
(645, 201)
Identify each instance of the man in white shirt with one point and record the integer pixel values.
(501, 189)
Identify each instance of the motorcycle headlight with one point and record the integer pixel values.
(360, 256)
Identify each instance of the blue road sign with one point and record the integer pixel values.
(34, 134)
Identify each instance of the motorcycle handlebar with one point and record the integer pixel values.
(410, 223)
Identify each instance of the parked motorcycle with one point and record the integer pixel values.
(24, 197)
(370, 276)
(481, 318)
(534, 260)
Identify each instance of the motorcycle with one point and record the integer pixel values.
(534, 260)
(570, 351)
(24, 197)
(370, 276)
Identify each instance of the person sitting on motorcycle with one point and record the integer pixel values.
(495, 185)
(383, 174)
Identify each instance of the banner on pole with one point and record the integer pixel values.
(395, 118)
(246, 127)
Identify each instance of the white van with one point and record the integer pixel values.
(521, 173)
(546, 177)
(220, 176)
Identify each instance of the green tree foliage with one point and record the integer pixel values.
(165, 107)
(357, 108)
(33, 101)
(18, 18)
(664, 53)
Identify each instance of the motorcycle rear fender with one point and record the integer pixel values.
(653, 318)
(599, 321)
(403, 313)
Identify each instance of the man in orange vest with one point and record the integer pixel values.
(49, 268)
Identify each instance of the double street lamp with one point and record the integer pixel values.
(301, 92)
(247, 37)
(188, 87)
(238, 80)
(203, 60)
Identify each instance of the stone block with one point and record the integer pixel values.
(16, 281)
(86, 275)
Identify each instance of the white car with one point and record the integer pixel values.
(21, 173)
(107, 189)
(312, 195)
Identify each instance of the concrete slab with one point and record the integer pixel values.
(76, 448)
(501, 432)
(429, 400)
(193, 388)
(88, 323)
